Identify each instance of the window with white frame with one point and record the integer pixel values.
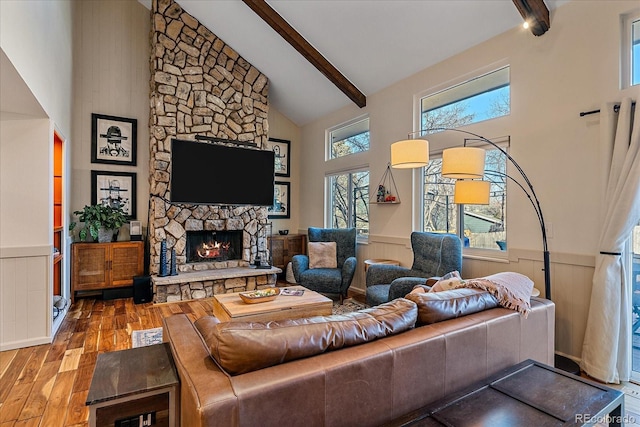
(348, 197)
(631, 49)
(477, 99)
(349, 138)
(484, 97)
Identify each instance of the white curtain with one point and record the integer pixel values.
(606, 352)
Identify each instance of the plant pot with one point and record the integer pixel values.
(104, 235)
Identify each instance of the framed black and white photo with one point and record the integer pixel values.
(282, 150)
(116, 189)
(113, 140)
(281, 201)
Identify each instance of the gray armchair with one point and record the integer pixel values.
(434, 255)
(329, 280)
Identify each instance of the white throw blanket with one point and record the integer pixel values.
(512, 290)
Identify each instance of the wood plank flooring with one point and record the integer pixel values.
(47, 385)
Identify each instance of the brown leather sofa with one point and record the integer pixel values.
(361, 385)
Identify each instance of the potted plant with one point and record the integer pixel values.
(100, 221)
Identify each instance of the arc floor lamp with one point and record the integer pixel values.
(466, 165)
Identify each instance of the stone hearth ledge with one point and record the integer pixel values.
(206, 283)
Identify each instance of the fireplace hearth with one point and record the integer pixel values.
(206, 246)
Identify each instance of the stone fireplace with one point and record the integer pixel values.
(201, 86)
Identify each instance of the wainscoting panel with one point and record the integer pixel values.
(571, 281)
(25, 300)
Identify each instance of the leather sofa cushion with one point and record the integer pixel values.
(240, 347)
(435, 307)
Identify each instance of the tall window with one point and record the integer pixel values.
(349, 201)
(631, 50)
(479, 226)
(481, 98)
(348, 139)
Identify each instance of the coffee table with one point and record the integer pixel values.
(527, 394)
(230, 308)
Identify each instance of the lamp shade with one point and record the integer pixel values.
(410, 153)
(463, 163)
(471, 192)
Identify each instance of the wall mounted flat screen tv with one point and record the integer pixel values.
(213, 174)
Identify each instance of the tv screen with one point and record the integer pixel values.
(211, 174)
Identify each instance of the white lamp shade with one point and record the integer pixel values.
(463, 163)
(410, 153)
(470, 192)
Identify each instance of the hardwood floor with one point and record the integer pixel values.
(47, 385)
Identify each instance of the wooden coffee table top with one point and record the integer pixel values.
(230, 308)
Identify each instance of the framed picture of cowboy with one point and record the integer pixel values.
(282, 150)
(113, 140)
(115, 189)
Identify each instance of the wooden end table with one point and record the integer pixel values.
(137, 386)
(527, 394)
(230, 308)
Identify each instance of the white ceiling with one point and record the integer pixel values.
(373, 43)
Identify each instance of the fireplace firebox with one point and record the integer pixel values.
(205, 246)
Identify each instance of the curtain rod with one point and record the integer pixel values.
(616, 108)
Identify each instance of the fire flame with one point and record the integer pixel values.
(213, 249)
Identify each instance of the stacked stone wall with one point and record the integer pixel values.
(199, 86)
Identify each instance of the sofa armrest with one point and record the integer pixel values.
(299, 264)
(403, 285)
(384, 274)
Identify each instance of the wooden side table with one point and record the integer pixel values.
(138, 386)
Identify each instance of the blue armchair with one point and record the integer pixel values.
(434, 255)
(329, 280)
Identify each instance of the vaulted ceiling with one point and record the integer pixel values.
(371, 43)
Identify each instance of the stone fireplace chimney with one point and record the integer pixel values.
(199, 86)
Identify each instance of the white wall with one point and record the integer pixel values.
(36, 38)
(572, 68)
(111, 76)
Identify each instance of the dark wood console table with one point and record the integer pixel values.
(527, 394)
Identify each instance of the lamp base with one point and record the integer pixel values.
(566, 364)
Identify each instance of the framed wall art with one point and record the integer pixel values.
(282, 150)
(116, 189)
(113, 140)
(281, 201)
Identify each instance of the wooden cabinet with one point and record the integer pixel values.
(283, 248)
(99, 266)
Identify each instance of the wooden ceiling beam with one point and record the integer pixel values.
(282, 27)
(535, 12)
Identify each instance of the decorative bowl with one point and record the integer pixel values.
(262, 295)
(283, 232)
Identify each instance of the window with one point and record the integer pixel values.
(482, 98)
(482, 226)
(349, 138)
(631, 50)
(349, 201)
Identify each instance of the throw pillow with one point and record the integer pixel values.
(435, 307)
(450, 280)
(322, 255)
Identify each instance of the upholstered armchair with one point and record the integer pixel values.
(434, 255)
(335, 279)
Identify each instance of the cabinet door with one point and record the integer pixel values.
(90, 266)
(277, 251)
(126, 262)
(296, 245)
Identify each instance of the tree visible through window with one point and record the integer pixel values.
(349, 139)
(349, 196)
(479, 226)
